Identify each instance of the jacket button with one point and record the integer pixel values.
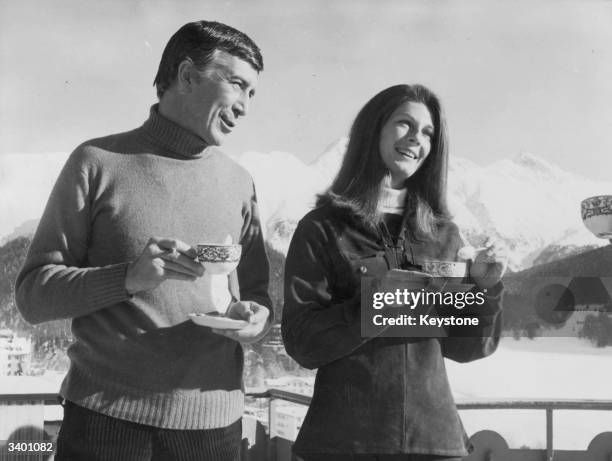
(363, 269)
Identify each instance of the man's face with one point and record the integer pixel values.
(218, 97)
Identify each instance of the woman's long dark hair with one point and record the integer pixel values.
(359, 181)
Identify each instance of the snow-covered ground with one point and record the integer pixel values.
(544, 368)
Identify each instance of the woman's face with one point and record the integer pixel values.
(405, 141)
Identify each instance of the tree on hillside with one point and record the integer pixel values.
(598, 329)
(277, 275)
(50, 339)
(12, 256)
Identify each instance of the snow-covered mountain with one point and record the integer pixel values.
(526, 201)
(25, 229)
(532, 205)
(25, 183)
(287, 187)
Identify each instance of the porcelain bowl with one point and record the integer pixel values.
(597, 215)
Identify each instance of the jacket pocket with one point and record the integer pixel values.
(355, 268)
(369, 266)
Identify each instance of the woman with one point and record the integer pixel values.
(384, 397)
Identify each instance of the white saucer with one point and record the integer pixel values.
(214, 321)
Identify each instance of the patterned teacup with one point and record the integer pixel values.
(219, 258)
(597, 215)
(445, 268)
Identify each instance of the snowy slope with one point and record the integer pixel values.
(534, 206)
(529, 203)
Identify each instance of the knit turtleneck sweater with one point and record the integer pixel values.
(140, 358)
(392, 200)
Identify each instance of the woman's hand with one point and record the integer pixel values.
(489, 264)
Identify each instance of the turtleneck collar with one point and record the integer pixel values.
(392, 200)
(173, 139)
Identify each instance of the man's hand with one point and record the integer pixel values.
(489, 264)
(257, 316)
(162, 259)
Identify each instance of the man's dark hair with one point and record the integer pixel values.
(197, 41)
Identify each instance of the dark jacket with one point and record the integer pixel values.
(372, 395)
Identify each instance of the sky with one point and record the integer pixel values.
(513, 76)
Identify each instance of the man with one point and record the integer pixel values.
(113, 252)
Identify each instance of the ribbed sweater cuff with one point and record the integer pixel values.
(106, 286)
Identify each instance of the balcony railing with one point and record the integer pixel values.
(22, 417)
(489, 445)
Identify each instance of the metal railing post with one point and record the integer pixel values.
(549, 434)
(271, 443)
